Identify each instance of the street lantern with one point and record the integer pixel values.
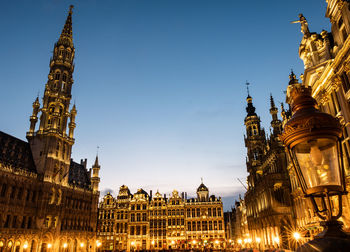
(312, 139)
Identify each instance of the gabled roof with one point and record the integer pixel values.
(78, 175)
(16, 153)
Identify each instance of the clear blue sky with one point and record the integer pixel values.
(159, 85)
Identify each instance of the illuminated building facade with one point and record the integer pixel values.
(143, 221)
(47, 200)
(326, 58)
(268, 202)
(205, 220)
(241, 231)
(158, 217)
(106, 224)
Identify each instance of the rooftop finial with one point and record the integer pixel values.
(71, 8)
(202, 180)
(247, 84)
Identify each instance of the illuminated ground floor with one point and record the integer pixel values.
(112, 242)
(17, 240)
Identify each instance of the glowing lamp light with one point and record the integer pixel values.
(152, 242)
(49, 245)
(249, 240)
(239, 241)
(296, 236)
(217, 242)
(194, 242)
(276, 239)
(25, 246)
(258, 240)
(81, 244)
(173, 242)
(132, 243)
(245, 240)
(65, 245)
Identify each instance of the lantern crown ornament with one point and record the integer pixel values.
(307, 121)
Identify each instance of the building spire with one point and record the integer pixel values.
(275, 123)
(272, 102)
(52, 136)
(96, 162)
(67, 32)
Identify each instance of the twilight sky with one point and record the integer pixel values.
(159, 84)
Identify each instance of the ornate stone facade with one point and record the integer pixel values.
(326, 58)
(267, 200)
(48, 201)
(143, 221)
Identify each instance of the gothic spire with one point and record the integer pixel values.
(66, 36)
(96, 162)
(272, 102)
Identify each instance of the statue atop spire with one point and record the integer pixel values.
(304, 25)
(292, 78)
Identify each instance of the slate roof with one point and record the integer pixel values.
(16, 153)
(78, 175)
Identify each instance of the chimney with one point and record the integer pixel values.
(150, 194)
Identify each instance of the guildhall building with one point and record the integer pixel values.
(141, 221)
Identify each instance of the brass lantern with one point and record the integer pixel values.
(312, 139)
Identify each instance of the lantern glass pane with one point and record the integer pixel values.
(318, 162)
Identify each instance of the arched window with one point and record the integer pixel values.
(255, 130)
(57, 75)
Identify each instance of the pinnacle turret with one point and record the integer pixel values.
(272, 102)
(275, 123)
(96, 162)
